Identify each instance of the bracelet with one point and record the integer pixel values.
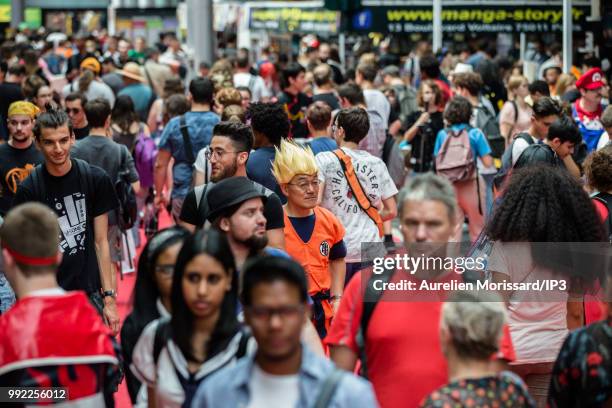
(335, 297)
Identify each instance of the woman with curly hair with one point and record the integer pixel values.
(542, 205)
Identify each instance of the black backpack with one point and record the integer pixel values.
(506, 160)
(127, 211)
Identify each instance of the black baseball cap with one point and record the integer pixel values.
(229, 192)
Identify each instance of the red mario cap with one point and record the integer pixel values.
(590, 79)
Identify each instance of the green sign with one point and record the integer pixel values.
(5, 11)
(33, 17)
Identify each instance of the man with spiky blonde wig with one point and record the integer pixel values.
(313, 235)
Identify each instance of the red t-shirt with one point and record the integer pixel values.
(404, 357)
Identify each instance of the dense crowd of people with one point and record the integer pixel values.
(286, 182)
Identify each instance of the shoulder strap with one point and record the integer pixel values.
(88, 186)
(242, 345)
(40, 193)
(516, 112)
(162, 334)
(199, 194)
(186, 140)
(357, 189)
(371, 297)
(252, 79)
(526, 137)
(328, 388)
(149, 80)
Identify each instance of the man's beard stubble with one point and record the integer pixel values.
(227, 172)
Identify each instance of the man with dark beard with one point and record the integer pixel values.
(228, 153)
(236, 207)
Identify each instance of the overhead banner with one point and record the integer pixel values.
(294, 19)
(467, 19)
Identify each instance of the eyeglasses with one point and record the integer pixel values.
(303, 185)
(166, 270)
(266, 313)
(72, 110)
(217, 154)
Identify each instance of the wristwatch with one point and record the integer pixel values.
(335, 297)
(107, 293)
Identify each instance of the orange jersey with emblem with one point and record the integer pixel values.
(314, 254)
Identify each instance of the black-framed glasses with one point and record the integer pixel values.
(166, 270)
(217, 154)
(266, 313)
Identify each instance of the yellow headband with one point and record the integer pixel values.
(23, 108)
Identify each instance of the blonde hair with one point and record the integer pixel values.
(291, 160)
(514, 82)
(564, 82)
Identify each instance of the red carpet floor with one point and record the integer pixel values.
(125, 288)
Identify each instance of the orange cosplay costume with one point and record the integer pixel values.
(314, 256)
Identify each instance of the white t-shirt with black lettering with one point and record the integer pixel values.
(374, 177)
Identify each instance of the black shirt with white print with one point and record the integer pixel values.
(196, 215)
(79, 269)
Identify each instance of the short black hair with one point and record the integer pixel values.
(564, 129)
(242, 58)
(51, 119)
(430, 66)
(97, 111)
(540, 87)
(292, 70)
(17, 70)
(351, 92)
(269, 119)
(458, 111)
(355, 122)
(202, 90)
(269, 269)
(367, 71)
(546, 106)
(239, 133)
(76, 96)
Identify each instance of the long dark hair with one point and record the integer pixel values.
(124, 113)
(213, 243)
(546, 204)
(146, 291)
